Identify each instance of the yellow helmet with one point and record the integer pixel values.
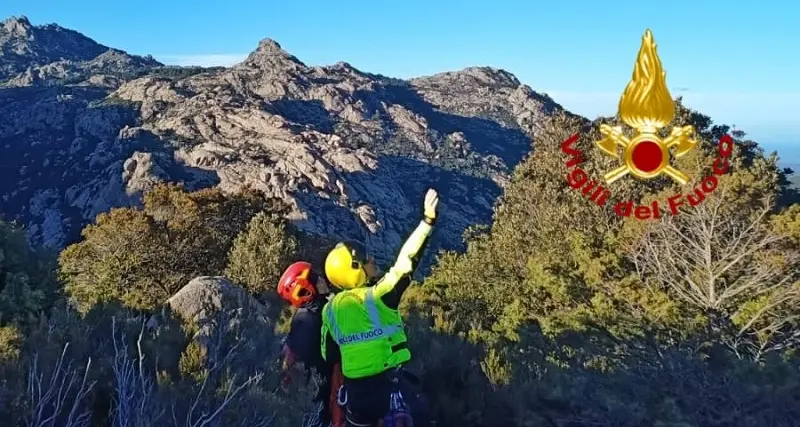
(344, 265)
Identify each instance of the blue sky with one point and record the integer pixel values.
(734, 62)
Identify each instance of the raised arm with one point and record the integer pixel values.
(394, 283)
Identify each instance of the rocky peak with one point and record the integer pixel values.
(342, 66)
(492, 76)
(47, 43)
(42, 55)
(270, 54)
(117, 59)
(269, 45)
(483, 76)
(16, 26)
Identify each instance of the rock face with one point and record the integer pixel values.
(84, 128)
(205, 297)
(219, 310)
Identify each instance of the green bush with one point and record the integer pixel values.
(261, 253)
(115, 367)
(28, 283)
(141, 257)
(584, 318)
(10, 341)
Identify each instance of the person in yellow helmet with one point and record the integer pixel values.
(361, 326)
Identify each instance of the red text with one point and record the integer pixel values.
(593, 190)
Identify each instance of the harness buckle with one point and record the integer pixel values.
(395, 374)
(341, 396)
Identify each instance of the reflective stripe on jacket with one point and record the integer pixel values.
(370, 335)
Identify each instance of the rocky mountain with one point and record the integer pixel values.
(43, 55)
(84, 128)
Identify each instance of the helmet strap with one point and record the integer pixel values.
(322, 286)
(296, 293)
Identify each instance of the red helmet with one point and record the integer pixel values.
(298, 284)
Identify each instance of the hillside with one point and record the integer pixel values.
(84, 128)
(50, 54)
(557, 313)
(794, 178)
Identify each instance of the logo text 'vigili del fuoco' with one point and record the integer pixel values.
(646, 106)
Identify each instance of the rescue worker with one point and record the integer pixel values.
(361, 326)
(301, 287)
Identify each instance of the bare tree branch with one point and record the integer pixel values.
(716, 259)
(217, 358)
(63, 398)
(135, 403)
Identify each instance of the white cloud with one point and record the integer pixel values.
(206, 60)
(768, 117)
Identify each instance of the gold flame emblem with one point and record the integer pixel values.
(647, 106)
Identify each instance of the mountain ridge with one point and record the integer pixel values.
(349, 151)
(49, 53)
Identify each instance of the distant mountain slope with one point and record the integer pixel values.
(35, 55)
(84, 128)
(795, 176)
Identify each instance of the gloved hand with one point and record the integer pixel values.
(430, 204)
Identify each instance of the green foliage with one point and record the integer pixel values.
(448, 153)
(575, 308)
(27, 280)
(142, 257)
(261, 253)
(460, 392)
(171, 72)
(192, 362)
(10, 340)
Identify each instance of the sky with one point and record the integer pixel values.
(737, 62)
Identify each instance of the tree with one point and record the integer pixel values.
(261, 253)
(28, 283)
(736, 265)
(580, 336)
(141, 257)
(554, 264)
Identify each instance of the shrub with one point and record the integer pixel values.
(10, 341)
(141, 257)
(585, 318)
(28, 283)
(261, 253)
(116, 368)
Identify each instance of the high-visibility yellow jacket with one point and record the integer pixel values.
(364, 323)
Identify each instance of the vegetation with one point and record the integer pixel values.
(561, 313)
(28, 284)
(114, 354)
(142, 257)
(261, 253)
(170, 72)
(178, 73)
(593, 319)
